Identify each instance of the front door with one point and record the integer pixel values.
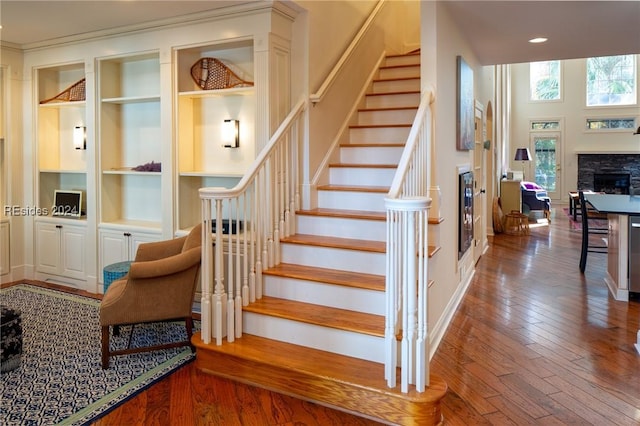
(546, 162)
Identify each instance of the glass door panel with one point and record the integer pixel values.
(546, 162)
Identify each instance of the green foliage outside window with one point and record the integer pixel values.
(611, 80)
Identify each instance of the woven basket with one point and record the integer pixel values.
(212, 73)
(75, 92)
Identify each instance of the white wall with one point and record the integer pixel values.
(572, 110)
(450, 275)
(12, 60)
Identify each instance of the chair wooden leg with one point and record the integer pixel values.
(105, 347)
(189, 325)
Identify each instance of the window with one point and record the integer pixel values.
(544, 80)
(545, 125)
(611, 123)
(611, 80)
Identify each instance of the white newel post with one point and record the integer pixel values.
(406, 291)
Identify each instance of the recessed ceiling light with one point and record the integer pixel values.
(538, 40)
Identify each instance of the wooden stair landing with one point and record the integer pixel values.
(345, 383)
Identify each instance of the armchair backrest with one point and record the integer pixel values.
(194, 239)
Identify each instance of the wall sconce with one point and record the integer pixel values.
(231, 133)
(523, 154)
(80, 137)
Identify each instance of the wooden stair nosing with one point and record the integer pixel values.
(354, 188)
(388, 67)
(402, 55)
(336, 242)
(389, 79)
(372, 145)
(380, 126)
(343, 382)
(328, 276)
(415, 107)
(320, 315)
(364, 166)
(349, 214)
(345, 243)
(401, 92)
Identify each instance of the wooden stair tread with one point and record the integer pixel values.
(365, 166)
(387, 67)
(325, 316)
(402, 108)
(336, 242)
(379, 126)
(380, 189)
(328, 276)
(372, 145)
(347, 383)
(402, 92)
(381, 80)
(352, 214)
(402, 55)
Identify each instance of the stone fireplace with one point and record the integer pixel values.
(611, 173)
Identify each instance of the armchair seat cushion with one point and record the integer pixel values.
(535, 197)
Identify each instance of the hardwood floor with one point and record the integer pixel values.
(534, 342)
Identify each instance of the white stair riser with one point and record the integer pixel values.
(402, 60)
(403, 85)
(371, 154)
(361, 176)
(399, 72)
(334, 258)
(310, 335)
(368, 201)
(387, 116)
(360, 229)
(390, 101)
(336, 296)
(378, 134)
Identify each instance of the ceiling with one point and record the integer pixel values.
(498, 30)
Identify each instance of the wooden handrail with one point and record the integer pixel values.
(319, 94)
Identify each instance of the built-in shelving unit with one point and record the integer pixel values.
(203, 161)
(129, 137)
(60, 165)
(60, 242)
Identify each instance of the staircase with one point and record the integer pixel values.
(318, 331)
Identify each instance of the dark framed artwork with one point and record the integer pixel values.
(464, 104)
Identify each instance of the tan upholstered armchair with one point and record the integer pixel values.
(160, 286)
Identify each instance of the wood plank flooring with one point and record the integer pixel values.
(533, 343)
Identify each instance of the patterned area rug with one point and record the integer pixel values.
(577, 224)
(60, 379)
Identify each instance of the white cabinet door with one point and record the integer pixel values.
(73, 240)
(61, 249)
(113, 248)
(48, 254)
(5, 264)
(121, 245)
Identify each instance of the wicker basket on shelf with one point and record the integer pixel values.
(212, 73)
(75, 92)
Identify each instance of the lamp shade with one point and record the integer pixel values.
(523, 154)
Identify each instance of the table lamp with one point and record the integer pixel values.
(523, 154)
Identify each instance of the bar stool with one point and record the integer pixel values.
(588, 214)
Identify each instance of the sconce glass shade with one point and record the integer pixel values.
(523, 154)
(80, 137)
(231, 133)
